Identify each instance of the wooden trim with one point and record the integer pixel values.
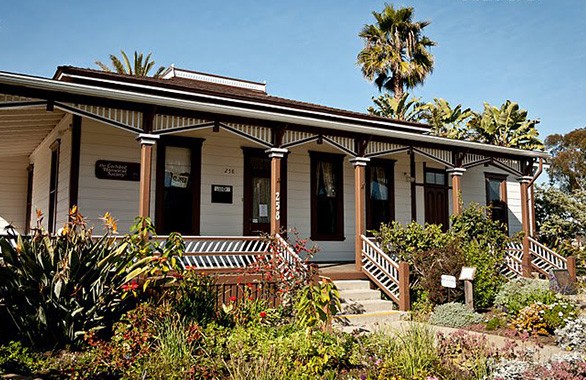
(195, 144)
(389, 166)
(337, 161)
(413, 176)
(29, 198)
(53, 185)
(75, 161)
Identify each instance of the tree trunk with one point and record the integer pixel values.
(397, 87)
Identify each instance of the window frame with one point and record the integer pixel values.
(337, 161)
(503, 193)
(53, 185)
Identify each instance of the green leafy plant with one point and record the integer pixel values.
(317, 304)
(57, 287)
(194, 296)
(530, 320)
(16, 358)
(454, 315)
(517, 294)
(558, 314)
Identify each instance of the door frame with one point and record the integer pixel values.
(389, 165)
(195, 144)
(249, 153)
(445, 188)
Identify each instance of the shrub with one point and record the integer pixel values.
(15, 358)
(454, 315)
(557, 314)
(59, 286)
(404, 241)
(194, 297)
(572, 337)
(520, 293)
(317, 304)
(464, 355)
(483, 244)
(530, 320)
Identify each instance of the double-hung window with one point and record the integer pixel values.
(496, 197)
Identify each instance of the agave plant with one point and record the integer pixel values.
(57, 287)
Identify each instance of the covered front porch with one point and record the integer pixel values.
(222, 175)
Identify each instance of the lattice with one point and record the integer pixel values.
(132, 119)
(444, 156)
(381, 268)
(344, 142)
(378, 147)
(257, 133)
(293, 137)
(165, 122)
(6, 98)
(513, 164)
(470, 158)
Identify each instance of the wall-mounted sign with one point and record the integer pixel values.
(222, 194)
(118, 170)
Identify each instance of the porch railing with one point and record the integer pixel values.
(543, 259)
(382, 269)
(289, 262)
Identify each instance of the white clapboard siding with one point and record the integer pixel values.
(98, 196)
(13, 192)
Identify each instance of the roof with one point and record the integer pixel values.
(80, 75)
(84, 85)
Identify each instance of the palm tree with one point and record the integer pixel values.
(505, 126)
(446, 121)
(395, 53)
(138, 69)
(402, 109)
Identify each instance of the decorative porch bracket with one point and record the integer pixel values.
(146, 155)
(359, 164)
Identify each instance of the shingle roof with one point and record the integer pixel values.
(207, 88)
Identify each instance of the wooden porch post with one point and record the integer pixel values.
(526, 262)
(146, 156)
(404, 287)
(275, 154)
(456, 174)
(359, 206)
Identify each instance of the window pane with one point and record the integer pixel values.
(326, 181)
(326, 197)
(494, 190)
(379, 184)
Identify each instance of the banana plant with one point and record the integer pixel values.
(446, 121)
(403, 108)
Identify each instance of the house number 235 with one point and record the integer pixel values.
(277, 205)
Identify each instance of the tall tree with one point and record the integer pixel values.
(505, 126)
(401, 109)
(140, 67)
(568, 161)
(395, 53)
(446, 121)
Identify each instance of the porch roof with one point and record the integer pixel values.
(127, 92)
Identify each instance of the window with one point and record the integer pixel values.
(496, 197)
(380, 193)
(53, 185)
(327, 203)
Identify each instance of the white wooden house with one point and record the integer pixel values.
(207, 155)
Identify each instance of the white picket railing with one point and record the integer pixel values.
(289, 262)
(543, 259)
(222, 252)
(382, 269)
(513, 261)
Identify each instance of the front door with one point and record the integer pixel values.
(436, 198)
(257, 192)
(178, 185)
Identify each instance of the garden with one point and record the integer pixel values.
(122, 307)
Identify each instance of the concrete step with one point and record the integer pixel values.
(367, 306)
(360, 295)
(367, 321)
(352, 284)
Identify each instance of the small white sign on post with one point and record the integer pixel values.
(448, 281)
(467, 274)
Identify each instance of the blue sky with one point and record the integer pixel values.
(529, 51)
